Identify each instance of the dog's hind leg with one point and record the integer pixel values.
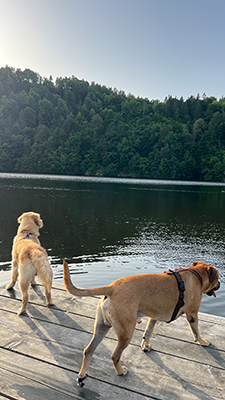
(100, 330)
(45, 274)
(14, 275)
(24, 291)
(33, 282)
(145, 346)
(48, 295)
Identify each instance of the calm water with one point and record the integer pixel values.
(108, 228)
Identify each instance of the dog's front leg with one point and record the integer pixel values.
(145, 346)
(123, 342)
(124, 331)
(14, 275)
(193, 322)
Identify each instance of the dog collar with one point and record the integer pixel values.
(28, 234)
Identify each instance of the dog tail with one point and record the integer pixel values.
(75, 291)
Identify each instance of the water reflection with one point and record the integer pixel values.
(107, 228)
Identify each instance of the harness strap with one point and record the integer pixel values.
(181, 288)
(196, 274)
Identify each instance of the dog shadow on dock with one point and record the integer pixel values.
(187, 386)
(52, 324)
(214, 352)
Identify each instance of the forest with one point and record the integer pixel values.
(73, 127)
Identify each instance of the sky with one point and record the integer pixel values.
(147, 48)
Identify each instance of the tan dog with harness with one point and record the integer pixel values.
(159, 296)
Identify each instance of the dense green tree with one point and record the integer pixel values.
(46, 111)
(73, 127)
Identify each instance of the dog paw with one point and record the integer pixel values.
(22, 313)
(203, 342)
(9, 287)
(50, 305)
(80, 380)
(123, 371)
(146, 347)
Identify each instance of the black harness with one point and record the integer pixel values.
(181, 288)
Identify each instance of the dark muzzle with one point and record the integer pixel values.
(212, 292)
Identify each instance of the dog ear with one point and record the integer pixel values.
(37, 219)
(211, 274)
(19, 219)
(195, 263)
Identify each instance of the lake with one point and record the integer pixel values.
(107, 228)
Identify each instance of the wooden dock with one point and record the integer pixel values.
(41, 353)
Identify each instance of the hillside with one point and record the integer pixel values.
(75, 128)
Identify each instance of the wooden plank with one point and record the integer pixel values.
(161, 343)
(62, 299)
(141, 365)
(165, 339)
(87, 306)
(153, 382)
(29, 379)
(58, 337)
(159, 381)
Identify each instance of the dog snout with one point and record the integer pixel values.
(217, 286)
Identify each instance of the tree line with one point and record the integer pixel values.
(72, 127)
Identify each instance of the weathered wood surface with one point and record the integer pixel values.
(41, 353)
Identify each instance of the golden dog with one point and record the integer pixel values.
(155, 295)
(30, 259)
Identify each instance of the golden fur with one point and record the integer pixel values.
(126, 300)
(30, 259)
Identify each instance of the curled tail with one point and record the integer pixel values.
(105, 290)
